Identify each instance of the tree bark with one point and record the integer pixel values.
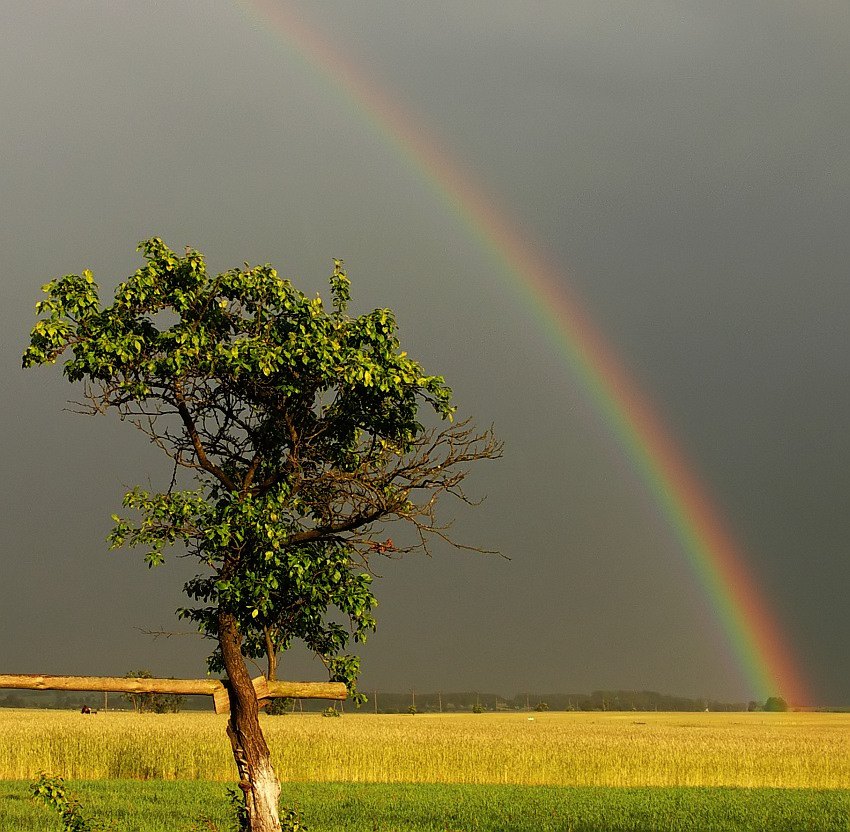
(253, 761)
(271, 654)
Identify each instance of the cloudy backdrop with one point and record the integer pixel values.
(685, 164)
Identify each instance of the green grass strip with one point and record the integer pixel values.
(173, 806)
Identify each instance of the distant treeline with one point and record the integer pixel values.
(393, 703)
(599, 700)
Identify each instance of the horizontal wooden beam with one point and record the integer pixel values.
(112, 684)
(184, 687)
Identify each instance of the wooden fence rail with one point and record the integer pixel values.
(205, 687)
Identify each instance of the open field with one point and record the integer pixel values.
(809, 751)
(175, 806)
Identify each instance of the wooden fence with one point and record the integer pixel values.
(206, 687)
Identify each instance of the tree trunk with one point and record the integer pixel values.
(271, 654)
(256, 775)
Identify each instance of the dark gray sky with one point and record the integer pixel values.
(686, 163)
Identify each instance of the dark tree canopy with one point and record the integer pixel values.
(775, 704)
(301, 426)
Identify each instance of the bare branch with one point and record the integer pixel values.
(200, 451)
(155, 634)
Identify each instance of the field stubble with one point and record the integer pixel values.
(793, 750)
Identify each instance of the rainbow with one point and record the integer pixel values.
(716, 559)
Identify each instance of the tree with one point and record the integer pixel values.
(301, 427)
(775, 704)
(281, 706)
(154, 703)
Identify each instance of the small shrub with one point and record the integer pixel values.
(51, 791)
(478, 708)
(280, 706)
(331, 711)
(290, 820)
(412, 710)
(236, 799)
(541, 706)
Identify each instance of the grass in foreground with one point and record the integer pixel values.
(330, 807)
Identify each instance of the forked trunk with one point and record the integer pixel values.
(256, 775)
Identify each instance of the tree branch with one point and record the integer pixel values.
(319, 532)
(251, 472)
(200, 451)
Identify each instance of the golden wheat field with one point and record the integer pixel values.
(571, 749)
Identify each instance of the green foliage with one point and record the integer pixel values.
(155, 703)
(541, 706)
(301, 427)
(776, 704)
(331, 711)
(247, 328)
(280, 706)
(412, 710)
(168, 703)
(236, 799)
(291, 821)
(478, 708)
(51, 791)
